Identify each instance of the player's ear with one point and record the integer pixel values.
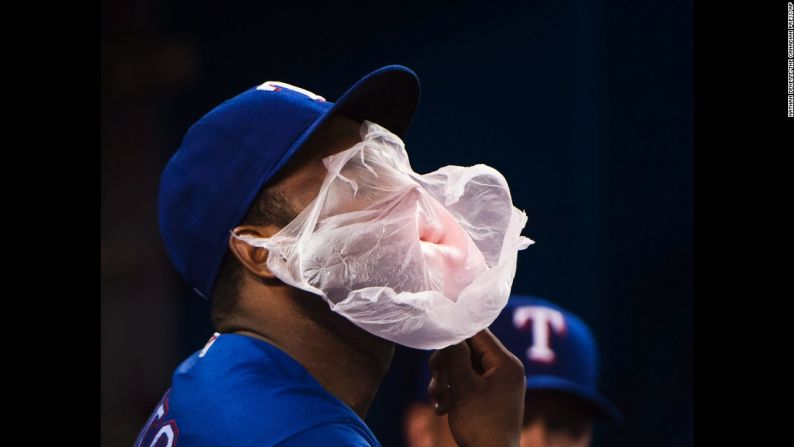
(254, 259)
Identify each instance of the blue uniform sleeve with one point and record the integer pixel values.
(330, 435)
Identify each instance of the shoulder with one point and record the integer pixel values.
(332, 434)
(260, 415)
(245, 393)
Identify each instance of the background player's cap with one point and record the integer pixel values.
(556, 347)
(226, 158)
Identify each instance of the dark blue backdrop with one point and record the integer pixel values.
(584, 106)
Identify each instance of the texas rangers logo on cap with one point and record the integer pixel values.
(557, 348)
(542, 320)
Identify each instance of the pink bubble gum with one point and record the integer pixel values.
(447, 248)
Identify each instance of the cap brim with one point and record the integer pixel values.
(604, 407)
(388, 97)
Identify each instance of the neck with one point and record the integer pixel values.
(346, 360)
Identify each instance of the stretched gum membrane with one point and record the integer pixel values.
(422, 260)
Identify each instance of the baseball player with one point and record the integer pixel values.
(282, 368)
(560, 362)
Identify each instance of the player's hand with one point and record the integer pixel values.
(480, 385)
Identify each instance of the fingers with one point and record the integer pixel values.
(451, 367)
(489, 350)
(480, 386)
(453, 363)
(438, 385)
(438, 390)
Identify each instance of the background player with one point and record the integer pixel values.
(560, 360)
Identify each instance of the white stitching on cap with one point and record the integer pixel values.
(272, 86)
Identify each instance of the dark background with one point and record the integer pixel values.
(584, 106)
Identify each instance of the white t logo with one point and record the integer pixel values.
(274, 86)
(542, 318)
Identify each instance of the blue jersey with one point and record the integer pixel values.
(240, 391)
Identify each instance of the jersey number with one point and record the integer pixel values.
(159, 432)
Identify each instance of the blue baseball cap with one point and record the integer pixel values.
(556, 347)
(227, 156)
